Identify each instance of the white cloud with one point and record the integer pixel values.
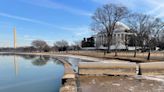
(157, 8)
(78, 30)
(28, 20)
(54, 5)
(23, 18)
(28, 39)
(154, 10)
(128, 3)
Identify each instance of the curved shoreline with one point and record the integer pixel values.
(146, 67)
(89, 58)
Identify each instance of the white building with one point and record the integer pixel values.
(120, 37)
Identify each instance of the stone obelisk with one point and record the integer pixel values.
(15, 45)
(15, 57)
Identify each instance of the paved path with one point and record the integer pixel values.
(119, 84)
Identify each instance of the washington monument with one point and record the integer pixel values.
(15, 37)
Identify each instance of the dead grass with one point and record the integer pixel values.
(141, 57)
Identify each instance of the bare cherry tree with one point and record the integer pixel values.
(105, 19)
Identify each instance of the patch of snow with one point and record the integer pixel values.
(155, 78)
(131, 89)
(116, 84)
(93, 81)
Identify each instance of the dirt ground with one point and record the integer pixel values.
(119, 84)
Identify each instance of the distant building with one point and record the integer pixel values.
(88, 42)
(119, 40)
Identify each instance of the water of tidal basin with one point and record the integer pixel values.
(30, 74)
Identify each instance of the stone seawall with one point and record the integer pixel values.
(69, 78)
(99, 68)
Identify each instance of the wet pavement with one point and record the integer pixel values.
(120, 84)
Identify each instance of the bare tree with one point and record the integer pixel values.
(105, 19)
(39, 44)
(61, 45)
(147, 30)
(154, 27)
(161, 41)
(138, 24)
(77, 45)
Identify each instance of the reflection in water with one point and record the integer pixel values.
(37, 60)
(41, 60)
(29, 75)
(28, 57)
(16, 67)
(23, 76)
(56, 61)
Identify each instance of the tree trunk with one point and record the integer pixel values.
(135, 52)
(116, 52)
(148, 57)
(109, 43)
(108, 50)
(104, 53)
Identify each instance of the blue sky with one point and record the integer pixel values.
(53, 20)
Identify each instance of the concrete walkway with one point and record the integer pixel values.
(119, 84)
